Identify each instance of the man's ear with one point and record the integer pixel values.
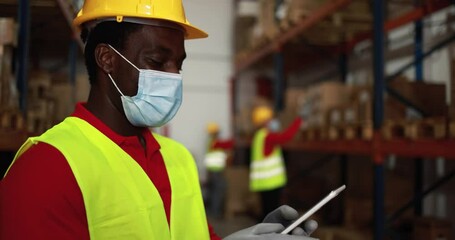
(104, 58)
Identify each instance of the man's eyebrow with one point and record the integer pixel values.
(166, 50)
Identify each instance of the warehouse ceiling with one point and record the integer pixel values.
(50, 34)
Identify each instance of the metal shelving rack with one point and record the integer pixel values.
(11, 140)
(378, 147)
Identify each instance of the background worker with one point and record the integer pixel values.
(267, 168)
(216, 159)
(101, 173)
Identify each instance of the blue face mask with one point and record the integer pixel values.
(274, 125)
(158, 98)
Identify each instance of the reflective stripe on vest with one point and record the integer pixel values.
(120, 200)
(215, 161)
(267, 172)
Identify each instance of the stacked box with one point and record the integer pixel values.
(243, 28)
(50, 100)
(11, 118)
(361, 103)
(293, 101)
(295, 10)
(362, 106)
(266, 28)
(7, 31)
(417, 93)
(39, 106)
(9, 98)
(323, 97)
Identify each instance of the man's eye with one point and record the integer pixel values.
(156, 62)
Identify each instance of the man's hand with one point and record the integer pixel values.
(273, 224)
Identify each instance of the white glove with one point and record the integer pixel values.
(273, 224)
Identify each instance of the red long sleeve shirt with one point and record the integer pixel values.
(40, 198)
(274, 139)
(223, 144)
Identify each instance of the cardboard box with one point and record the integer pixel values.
(7, 31)
(294, 99)
(265, 27)
(394, 109)
(362, 105)
(299, 9)
(267, 19)
(323, 97)
(418, 94)
(243, 33)
(8, 94)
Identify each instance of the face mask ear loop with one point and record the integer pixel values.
(118, 89)
(115, 50)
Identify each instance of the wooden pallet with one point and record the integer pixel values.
(335, 132)
(434, 128)
(313, 134)
(362, 131)
(394, 129)
(428, 128)
(11, 120)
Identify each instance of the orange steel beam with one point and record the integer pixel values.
(304, 24)
(418, 13)
(430, 148)
(355, 147)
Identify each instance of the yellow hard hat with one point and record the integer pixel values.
(261, 115)
(135, 11)
(212, 128)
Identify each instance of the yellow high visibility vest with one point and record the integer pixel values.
(120, 200)
(266, 172)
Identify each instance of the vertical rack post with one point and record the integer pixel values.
(418, 56)
(418, 46)
(378, 117)
(343, 68)
(23, 50)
